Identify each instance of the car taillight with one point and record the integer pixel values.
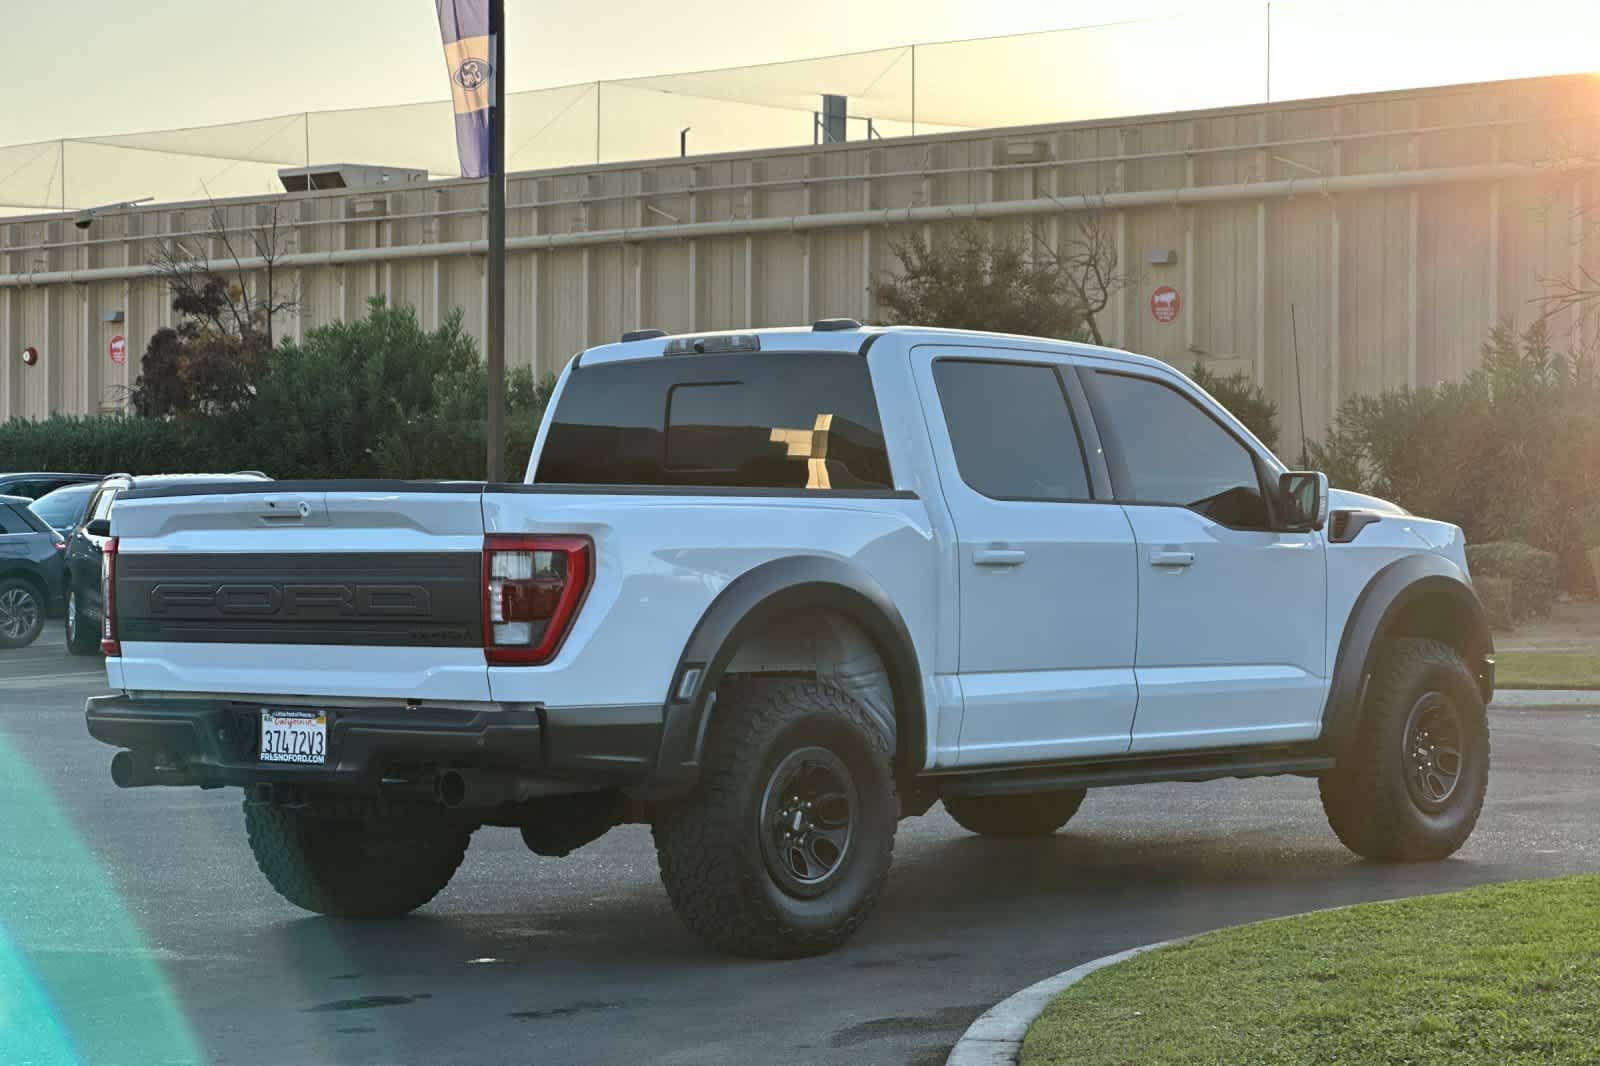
(533, 586)
(109, 644)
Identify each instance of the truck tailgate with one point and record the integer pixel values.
(303, 589)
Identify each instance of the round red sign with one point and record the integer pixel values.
(119, 349)
(1164, 304)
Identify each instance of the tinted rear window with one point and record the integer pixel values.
(15, 519)
(1011, 430)
(740, 420)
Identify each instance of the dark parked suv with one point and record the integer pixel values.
(30, 571)
(87, 542)
(34, 485)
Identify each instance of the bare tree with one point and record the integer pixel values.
(972, 279)
(1086, 261)
(221, 292)
(227, 304)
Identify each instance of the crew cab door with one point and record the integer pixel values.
(1232, 619)
(1047, 572)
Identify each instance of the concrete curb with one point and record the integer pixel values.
(995, 1039)
(1512, 699)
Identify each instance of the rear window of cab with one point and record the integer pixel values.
(778, 420)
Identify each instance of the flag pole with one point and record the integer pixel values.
(496, 362)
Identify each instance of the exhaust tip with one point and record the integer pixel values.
(452, 788)
(123, 769)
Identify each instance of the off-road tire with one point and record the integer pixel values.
(713, 846)
(1369, 802)
(81, 640)
(1034, 814)
(355, 859)
(25, 610)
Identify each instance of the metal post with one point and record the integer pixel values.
(497, 246)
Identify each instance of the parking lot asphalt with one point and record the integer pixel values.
(141, 925)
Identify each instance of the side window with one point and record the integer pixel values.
(11, 521)
(1011, 429)
(1173, 452)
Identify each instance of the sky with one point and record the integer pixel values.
(91, 68)
(163, 63)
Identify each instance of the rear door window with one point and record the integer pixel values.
(1011, 430)
(781, 420)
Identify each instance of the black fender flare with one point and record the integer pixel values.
(1392, 591)
(763, 594)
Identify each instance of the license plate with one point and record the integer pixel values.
(294, 736)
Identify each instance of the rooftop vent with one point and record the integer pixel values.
(347, 176)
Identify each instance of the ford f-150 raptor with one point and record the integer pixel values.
(773, 591)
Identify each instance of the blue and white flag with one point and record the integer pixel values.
(468, 44)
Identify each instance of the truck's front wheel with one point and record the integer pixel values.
(783, 846)
(354, 859)
(1034, 814)
(1412, 783)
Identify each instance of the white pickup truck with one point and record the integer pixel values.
(771, 592)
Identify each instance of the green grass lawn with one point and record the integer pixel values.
(1546, 669)
(1501, 974)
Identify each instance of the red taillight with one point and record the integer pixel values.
(109, 644)
(533, 586)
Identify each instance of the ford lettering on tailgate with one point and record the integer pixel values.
(350, 598)
(388, 601)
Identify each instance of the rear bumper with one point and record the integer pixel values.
(214, 742)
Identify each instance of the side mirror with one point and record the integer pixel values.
(1303, 501)
(101, 527)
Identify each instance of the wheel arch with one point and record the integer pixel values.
(764, 597)
(30, 577)
(1416, 596)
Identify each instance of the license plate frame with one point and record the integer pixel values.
(293, 737)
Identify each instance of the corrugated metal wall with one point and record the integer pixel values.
(1386, 232)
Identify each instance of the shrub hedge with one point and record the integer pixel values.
(102, 445)
(378, 397)
(1510, 454)
(1534, 575)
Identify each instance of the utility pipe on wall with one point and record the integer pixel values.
(1243, 191)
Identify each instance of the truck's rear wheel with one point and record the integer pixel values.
(1411, 786)
(783, 846)
(1035, 814)
(354, 859)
